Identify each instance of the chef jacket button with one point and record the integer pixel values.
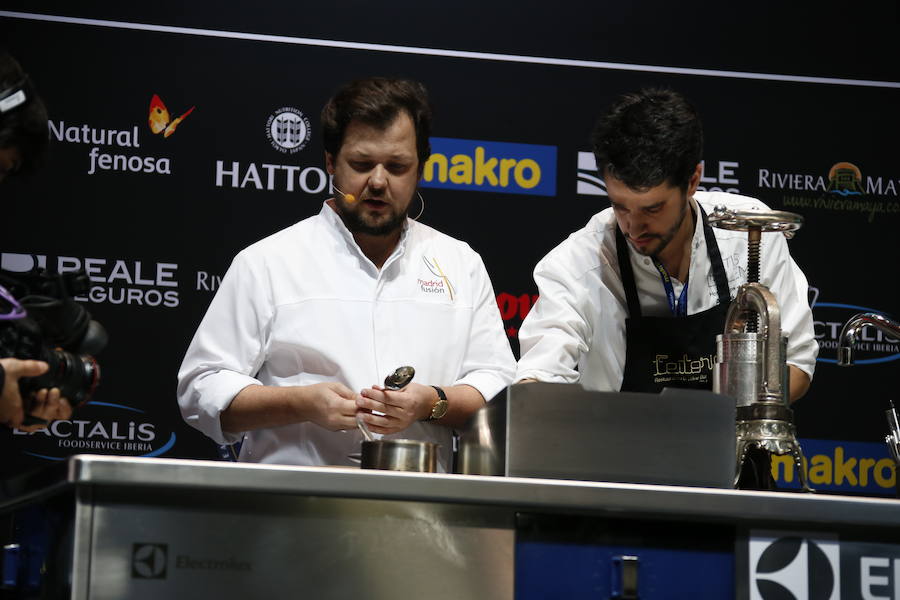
(646, 261)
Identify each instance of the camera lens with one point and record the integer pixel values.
(76, 376)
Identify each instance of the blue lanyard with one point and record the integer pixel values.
(679, 307)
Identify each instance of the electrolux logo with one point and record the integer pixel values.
(149, 561)
(114, 280)
(793, 567)
(288, 130)
(485, 166)
(873, 346)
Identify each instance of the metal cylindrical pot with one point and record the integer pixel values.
(400, 455)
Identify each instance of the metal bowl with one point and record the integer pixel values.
(400, 455)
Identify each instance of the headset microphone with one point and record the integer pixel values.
(347, 197)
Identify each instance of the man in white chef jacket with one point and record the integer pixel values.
(643, 289)
(308, 321)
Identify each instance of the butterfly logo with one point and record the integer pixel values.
(159, 119)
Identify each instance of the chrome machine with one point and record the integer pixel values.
(751, 353)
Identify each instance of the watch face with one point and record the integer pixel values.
(440, 409)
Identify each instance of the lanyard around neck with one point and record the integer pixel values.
(679, 306)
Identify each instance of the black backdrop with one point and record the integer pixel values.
(785, 96)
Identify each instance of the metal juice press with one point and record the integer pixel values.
(751, 354)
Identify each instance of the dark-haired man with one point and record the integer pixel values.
(306, 318)
(648, 281)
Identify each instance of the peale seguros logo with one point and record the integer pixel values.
(873, 345)
(113, 280)
(483, 166)
(102, 428)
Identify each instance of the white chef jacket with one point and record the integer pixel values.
(305, 306)
(576, 330)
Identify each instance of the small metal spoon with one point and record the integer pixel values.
(400, 378)
(397, 380)
(364, 428)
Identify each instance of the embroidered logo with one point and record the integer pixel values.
(441, 285)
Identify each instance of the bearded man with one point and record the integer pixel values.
(308, 320)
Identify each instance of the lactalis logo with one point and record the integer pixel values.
(114, 280)
(589, 181)
(484, 166)
(873, 345)
(288, 130)
(149, 561)
(793, 567)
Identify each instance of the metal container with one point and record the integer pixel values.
(739, 367)
(400, 455)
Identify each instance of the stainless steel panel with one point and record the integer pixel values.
(677, 437)
(256, 546)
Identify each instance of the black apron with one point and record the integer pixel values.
(680, 351)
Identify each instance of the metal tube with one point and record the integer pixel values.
(852, 329)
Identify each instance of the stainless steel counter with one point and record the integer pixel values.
(139, 527)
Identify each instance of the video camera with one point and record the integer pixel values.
(39, 320)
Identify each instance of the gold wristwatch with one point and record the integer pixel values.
(440, 407)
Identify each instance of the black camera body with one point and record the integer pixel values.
(54, 329)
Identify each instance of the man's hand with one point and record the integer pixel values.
(333, 405)
(46, 404)
(401, 408)
(329, 404)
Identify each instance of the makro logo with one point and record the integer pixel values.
(149, 561)
(484, 166)
(799, 567)
(114, 281)
(105, 428)
(288, 130)
(840, 466)
(873, 346)
(843, 188)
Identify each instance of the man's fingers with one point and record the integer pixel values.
(28, 368)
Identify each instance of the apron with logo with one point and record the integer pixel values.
(680, 351)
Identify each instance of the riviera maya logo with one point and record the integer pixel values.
(159, 119)
(288, 130)
(844, 189)
(845, 179)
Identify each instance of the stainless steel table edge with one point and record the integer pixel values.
(524, 494)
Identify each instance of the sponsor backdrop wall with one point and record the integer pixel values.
(177, 141)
